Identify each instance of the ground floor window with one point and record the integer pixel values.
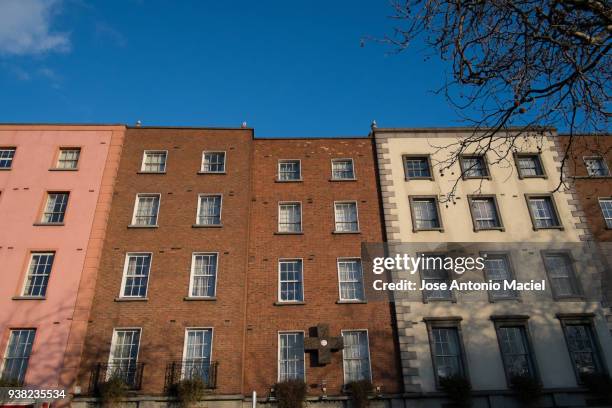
(356, 355)
(582, 345)
(290, 356)
(446, 348)
(197, 354)
(124, 355)
(17, 355)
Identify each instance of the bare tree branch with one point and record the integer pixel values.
(519, 69)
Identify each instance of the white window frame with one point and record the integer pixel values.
(214, 172)
(369, 352)
(278, 172)
(465, 170)
(144, 157)
(538, 161)
(12, 160)
(124, 277)
(278, 348)
(606, 199)
(197, 221)
(506, 256)
(572, 278)
(137, 202)
(343, 159)
(603, 161)
(413, 157)
(8, 343)
(114, 344)
(67, 149)
(280, 260)
(474, 201)
(551, 205)
(27, 274)
(345, 259)
(212, 339)
(278, 217)
(46, 205)
(191, 274)
(429, 295)
(356, 214)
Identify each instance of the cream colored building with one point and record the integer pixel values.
(528, 232)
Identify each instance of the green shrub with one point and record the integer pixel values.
(112, 391)
(458, 389)
(359, 391)
(190, 391)
(527, 389)
(598, 384)
(290, 393)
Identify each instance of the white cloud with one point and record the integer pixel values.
(103, 30)
(16, 71)
(25, 27)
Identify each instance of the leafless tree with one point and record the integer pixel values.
(518, 69)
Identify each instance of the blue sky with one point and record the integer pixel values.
(288, 68)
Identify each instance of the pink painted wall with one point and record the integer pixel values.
(22, 194)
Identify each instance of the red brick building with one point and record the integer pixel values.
(174, 259)
(590, 165)
(203, 273)
(311, 177)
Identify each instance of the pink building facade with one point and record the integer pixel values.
(56, 186)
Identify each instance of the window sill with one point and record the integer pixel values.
(346, 232)
(289, 233)
(5, 169)
(592, 177)
(29, 298)
(418, 178)
(476, 178)
(54, 169)
(428, 229)
(150, 172)
(48, 224)
(439, 300)
(129, 299)
(132, 226)
(533, 177)
(346, 179)
(508, 299)
(351, 302)
(289, 181)
(200, 298)
(576, 298)
(501, 229)
(559, 227)
(289, 303)
(207, 226)
(211, 172)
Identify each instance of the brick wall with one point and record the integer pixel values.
(589, 189)
(319, 248)
(250, 192)
(165, 315)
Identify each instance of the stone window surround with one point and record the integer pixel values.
(585, 319)
(425, 156)
(538, 156)
(446, 322)
(575, 280)
(529, 196)
(471, 197)
(515, 321)
(411, 198)
(487, 176)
